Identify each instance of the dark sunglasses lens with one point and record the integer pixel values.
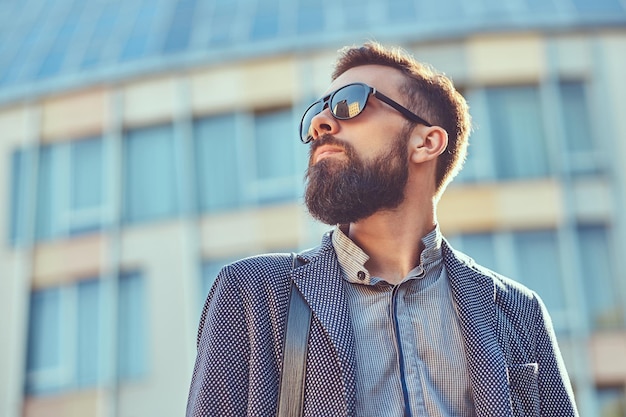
(349, 101)
(305, 126)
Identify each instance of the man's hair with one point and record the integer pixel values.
(431, 95)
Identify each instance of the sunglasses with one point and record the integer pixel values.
(348, 102)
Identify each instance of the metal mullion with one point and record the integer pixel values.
(109, 289)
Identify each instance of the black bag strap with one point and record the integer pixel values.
(291, 398)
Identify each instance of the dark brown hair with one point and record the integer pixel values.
(431, 95)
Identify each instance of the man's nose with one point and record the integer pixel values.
(323, 123)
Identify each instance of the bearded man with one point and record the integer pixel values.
(400, 323)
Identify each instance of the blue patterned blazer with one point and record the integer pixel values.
(514, 362)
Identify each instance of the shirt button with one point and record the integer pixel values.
(361, 275)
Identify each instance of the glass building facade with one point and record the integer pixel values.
(148, 143)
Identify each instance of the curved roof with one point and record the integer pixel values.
(51, 45)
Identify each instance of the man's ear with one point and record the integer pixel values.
(427, 143)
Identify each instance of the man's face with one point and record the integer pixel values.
(358, 167)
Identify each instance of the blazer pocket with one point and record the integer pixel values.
(524, 389)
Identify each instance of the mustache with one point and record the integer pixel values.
(327, 139)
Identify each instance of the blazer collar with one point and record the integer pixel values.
(475, 296)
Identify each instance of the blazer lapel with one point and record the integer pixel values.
(474, 295)
(321, 284)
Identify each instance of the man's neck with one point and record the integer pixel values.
(393, 241)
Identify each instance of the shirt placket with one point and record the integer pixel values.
(409, 360)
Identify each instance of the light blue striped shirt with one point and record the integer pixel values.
(409, 346)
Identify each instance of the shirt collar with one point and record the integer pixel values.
(352, 258)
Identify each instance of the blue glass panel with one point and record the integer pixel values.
(401, 10)
(539, 266)
(131, 327)
(51, 64)
(49, 191)
(602, 6)
(104, 28)
(53, 61)
(223, 20)
(265, 24)
(577, 128)
(310, 18)
(444, 9)
(87, 161)
(480, 246)
(576, 116)
(137, 44)
(180, 26)
(44, 340)
(217, 166)
(356, 14)
(88, 342)
(21, 180)
(44, 332)
(541, 6)
(517, 132)
(13, 67)
(600, 284)
(275, 142)
(150, 182)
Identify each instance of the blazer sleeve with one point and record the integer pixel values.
(220, 377)
(555, 390)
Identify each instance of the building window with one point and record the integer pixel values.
(217, 165)
(539, 268)
(70, 189)
(21, 204)
(600, 286)
(247, 159)
(279, 157)
(310, 18)
(598, 6)
(517, 135)
(511, 139)
(132, 339)
(583, 151)
(266, 21)
(150, 174)
(66, 334)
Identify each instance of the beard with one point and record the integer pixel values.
(346, 190)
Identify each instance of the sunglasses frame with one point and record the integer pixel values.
(327, 99)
